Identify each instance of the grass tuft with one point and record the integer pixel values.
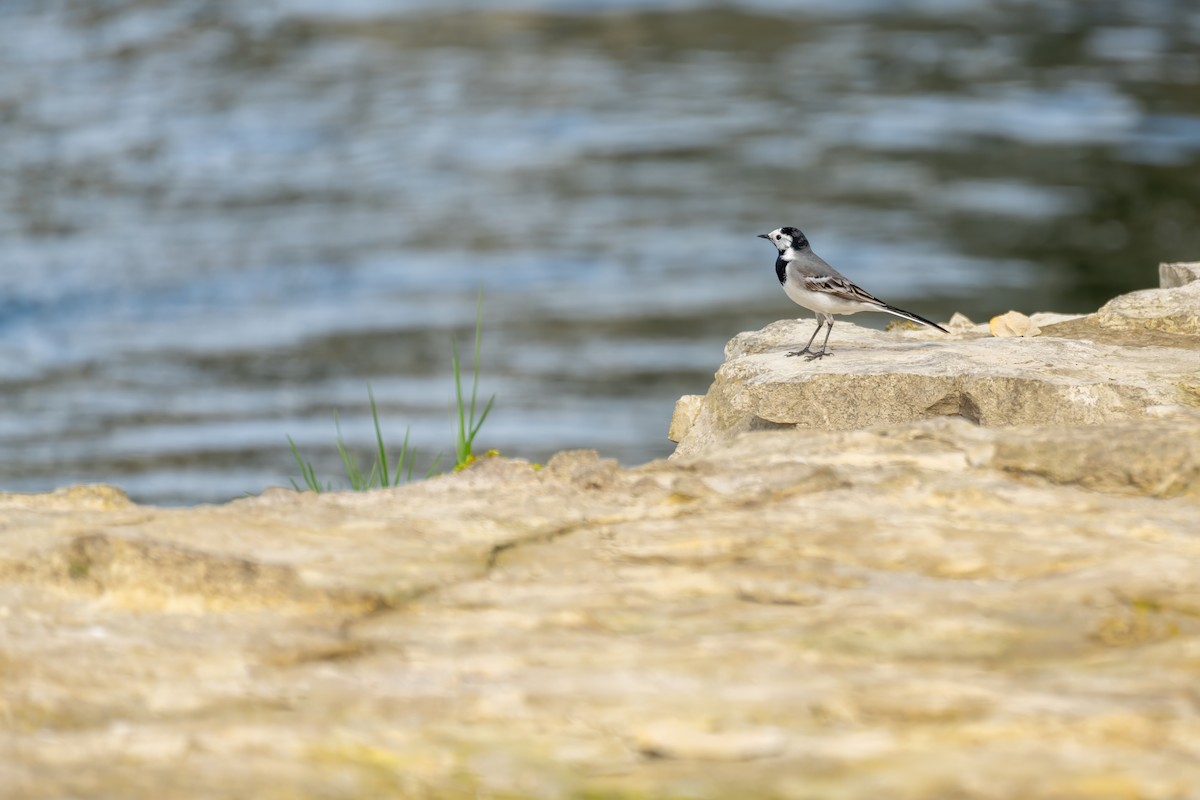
(468, 424)
(307, 473)
(384, 472)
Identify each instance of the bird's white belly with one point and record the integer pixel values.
(821, 302)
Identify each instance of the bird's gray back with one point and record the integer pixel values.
(809, 263)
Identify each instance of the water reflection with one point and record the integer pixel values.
(219, 220)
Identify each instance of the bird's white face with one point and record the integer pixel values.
(780, 239)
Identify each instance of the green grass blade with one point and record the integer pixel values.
(406, 455)
(382, 463)
(469, 424)
(412, 460)
(433, 467)
(461, 445)
(353, 472)
(478, 339)
(384, 472)
(307, 473)
(350, 466)
(486, 410)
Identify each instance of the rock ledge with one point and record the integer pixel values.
(1135, 358)
(926, 568)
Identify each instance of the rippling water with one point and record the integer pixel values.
(220, 220)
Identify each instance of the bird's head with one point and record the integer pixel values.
(786, 237)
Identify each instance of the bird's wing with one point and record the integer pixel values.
(816, 275)
(841, 287)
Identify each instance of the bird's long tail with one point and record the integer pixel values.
(899, 312)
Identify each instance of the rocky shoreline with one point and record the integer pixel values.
(928, 567)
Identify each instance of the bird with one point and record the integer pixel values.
(811, 282)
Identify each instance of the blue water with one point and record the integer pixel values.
(220, 221)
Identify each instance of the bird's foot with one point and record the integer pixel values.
(799, 352)
(818, 354)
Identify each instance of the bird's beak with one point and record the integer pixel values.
(764, 236)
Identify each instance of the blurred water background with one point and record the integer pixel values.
(219, 219)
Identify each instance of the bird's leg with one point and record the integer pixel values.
(810, 341)
(824, 351)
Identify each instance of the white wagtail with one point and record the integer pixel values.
(820, 288)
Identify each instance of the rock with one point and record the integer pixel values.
(1126, 361)
(684, 416)
(879, 378)
(1043, 318)
(96, 497)
(1014, 323)
(1172, 276)
(904, 571)
(1150, 458)
(888, 612)
(960, 323)
(677, 739)
(1174, 310)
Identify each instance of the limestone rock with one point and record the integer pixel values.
(960, 323)
(931, 566)
(1014, 323)
(677, 739)
(1175, 310)
(914, 611)
(1149, 457)
(1171, 276)
(98, 497)
(882, 378)
(684, 416)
